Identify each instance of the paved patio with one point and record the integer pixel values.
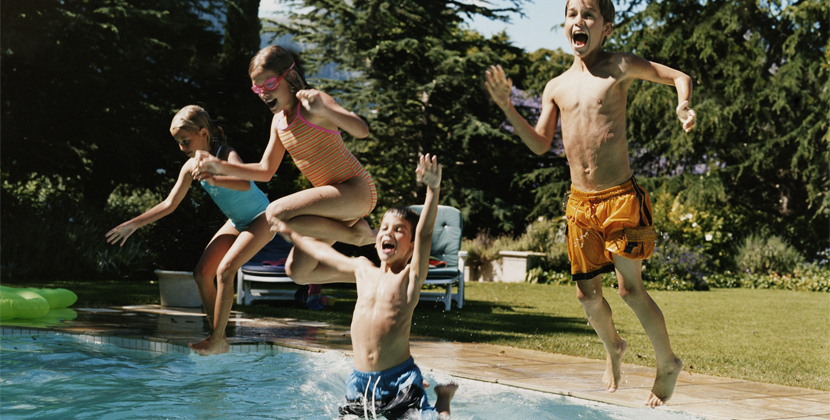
(163, 329)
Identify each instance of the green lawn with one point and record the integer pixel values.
(773, 336)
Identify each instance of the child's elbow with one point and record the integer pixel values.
(541, 149)
(362, 132)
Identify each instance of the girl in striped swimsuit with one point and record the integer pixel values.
(306, 122)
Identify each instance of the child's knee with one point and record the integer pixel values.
(631, 293)
(298, 273)
(590, 297)
(278, 209)
(203, 275)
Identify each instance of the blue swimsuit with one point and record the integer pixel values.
(242, 207)
(395, 393)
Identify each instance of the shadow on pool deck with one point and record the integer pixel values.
(161, 329)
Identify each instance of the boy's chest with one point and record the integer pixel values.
(587, 92)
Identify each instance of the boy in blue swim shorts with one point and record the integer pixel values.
(386, 380)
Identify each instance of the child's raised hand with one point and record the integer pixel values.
(499, 86)
(311, 99)
(686, 115)
(429, 171)
(120, 233)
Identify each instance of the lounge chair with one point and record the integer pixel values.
(267, 266)
(446, 248)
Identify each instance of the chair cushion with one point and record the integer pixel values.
(442, 273)
(258, 268)
(271, 253)
(446, 236)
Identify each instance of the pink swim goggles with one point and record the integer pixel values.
(270, 84)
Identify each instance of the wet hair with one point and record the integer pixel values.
(194, 118)
(606, 9)
(407, 214)
(278, 60)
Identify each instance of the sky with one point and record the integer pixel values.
(540, 28)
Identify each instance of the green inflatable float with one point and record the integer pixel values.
(31, 303)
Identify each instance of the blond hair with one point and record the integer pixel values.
(193, 118)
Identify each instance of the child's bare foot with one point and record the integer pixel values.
(613, 366)
(443, 396)
(210, 346)
(664, 383)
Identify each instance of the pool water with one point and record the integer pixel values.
(59, 377)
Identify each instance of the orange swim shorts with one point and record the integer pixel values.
(617, 220)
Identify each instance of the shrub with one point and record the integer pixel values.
(49, 234)
(674, 266)
(811, 277)
(759, 255)
(548, 237)
(545, 236)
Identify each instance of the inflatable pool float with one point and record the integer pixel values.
(31, 303)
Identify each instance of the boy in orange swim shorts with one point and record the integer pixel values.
(609, 216)
(616, 220)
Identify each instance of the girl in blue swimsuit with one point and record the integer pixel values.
(242, 236)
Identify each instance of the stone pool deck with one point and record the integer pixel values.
(162, 329)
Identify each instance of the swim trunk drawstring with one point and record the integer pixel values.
(365, 400)
(365, 409)
(374, 414)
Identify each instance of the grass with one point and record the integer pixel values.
(773, 336)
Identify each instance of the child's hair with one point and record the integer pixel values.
(278, 60)
(194, 118)
(606, 9)
(407, 214)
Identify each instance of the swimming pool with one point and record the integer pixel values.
(61, 377)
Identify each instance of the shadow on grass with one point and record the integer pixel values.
(478, 321)
(488, 322)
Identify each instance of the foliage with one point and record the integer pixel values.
(674, 266)
(49, 234)
(767, 255)
(417, 80)
(760, 74)
(484, 248)
(809, 278)
(107, 76)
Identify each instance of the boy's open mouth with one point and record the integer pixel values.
(272, 103)
(387, 246)
(580, 39)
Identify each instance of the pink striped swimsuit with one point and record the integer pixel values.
(322, 156)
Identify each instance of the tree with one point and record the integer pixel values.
(88, 92)
(418, 81)
(89, 88)
(760, 72)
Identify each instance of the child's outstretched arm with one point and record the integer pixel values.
(641, 68)
(322, 104)
(428, 172)
(261, 171)
(537, 139)
(325, 258)
(124, 230)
